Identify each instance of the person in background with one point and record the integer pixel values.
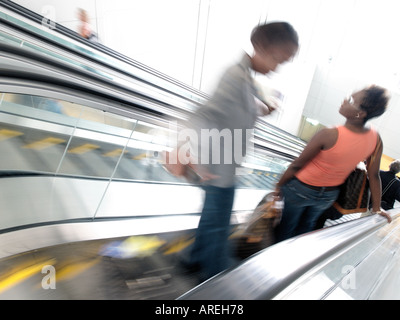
(85, 29)
(232, 108)
(311, 183)
(390, 185)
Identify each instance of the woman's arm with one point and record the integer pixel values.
(322, 140)
(375, 184)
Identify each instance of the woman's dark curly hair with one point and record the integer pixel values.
(375, 101)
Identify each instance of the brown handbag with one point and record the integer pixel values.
(174, 166)
(354, 192)
(259, 232)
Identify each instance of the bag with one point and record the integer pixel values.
(172, 163)
(179, 169)
(354, 193)
(259, 232)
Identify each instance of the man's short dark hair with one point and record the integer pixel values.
(395, 166)
(274, 33)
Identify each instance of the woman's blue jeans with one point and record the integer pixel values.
(211, 249)
(302, 207)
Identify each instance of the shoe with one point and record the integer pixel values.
(189, 267)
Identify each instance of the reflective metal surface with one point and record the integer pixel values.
(34, 238)
(134, 267)
(354, 260)
(29, 200)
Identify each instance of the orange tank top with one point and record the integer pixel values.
(331, 167)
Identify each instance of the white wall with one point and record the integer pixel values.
(345, 45)
(359, 46)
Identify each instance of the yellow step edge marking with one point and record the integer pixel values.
(44, 143)
(140, 156)
(72, 269)
(83, 148)
(178, 245)
(114, 153)
(20, 275)
(7, 134)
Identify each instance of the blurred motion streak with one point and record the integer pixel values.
(21, 273)
(44, 143)
(73, 268)
(114, 153)
(178, 245)
(136, 246)
(84, 148)
(6, 134)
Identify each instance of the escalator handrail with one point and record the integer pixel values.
(260, 142)
(165, 110)
(264, 126)
(266, 274)
(97, 88)
(110, 53)
(261, 124)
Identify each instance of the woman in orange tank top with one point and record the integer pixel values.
(311, 183)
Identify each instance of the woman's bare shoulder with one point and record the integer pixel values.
(328, 137)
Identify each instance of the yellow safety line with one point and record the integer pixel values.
(114, 153)
(178, 245)
(73, 269)
(83, 148)
(23, 274)
(140, 156)
(7, 134)
(44, 143)
(70, 270)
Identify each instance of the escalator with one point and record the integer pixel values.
(85, 197)
(88, 212)
(137, 268)
(356, 260)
